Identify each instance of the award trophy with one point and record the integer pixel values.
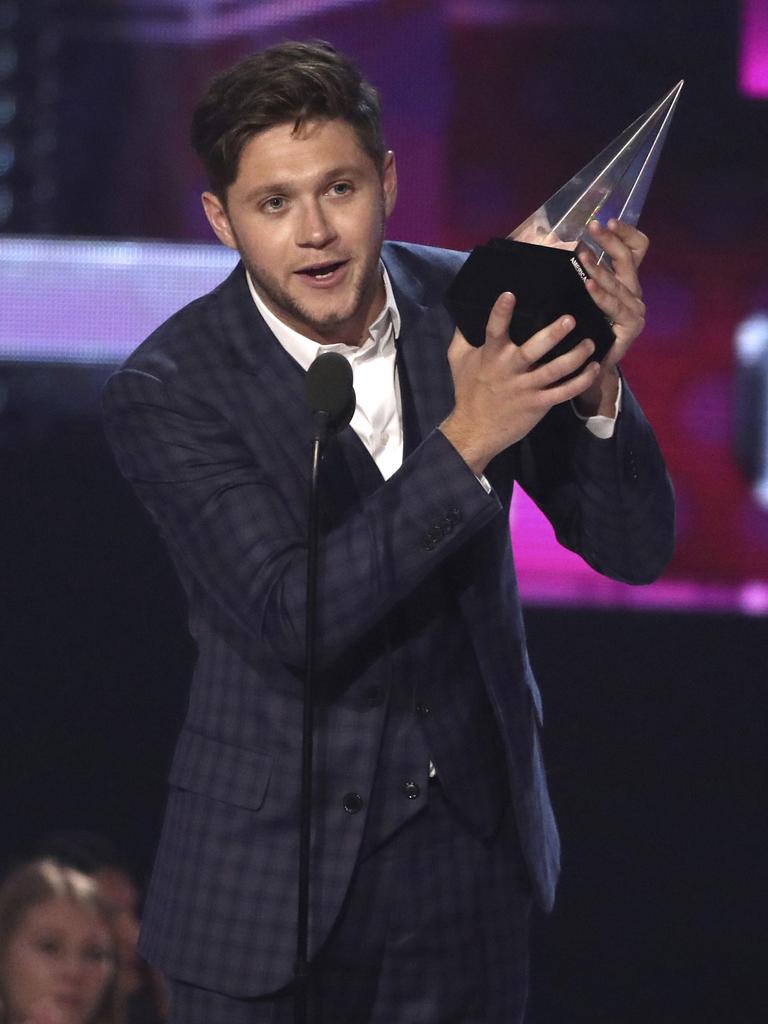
(539, 261)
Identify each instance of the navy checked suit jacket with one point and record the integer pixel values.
(208, 421)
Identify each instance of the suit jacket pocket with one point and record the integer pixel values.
(234, 775)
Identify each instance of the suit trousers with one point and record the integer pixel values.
(434, 930)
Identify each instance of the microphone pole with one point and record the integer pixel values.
(331, 400)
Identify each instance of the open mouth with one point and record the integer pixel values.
(322, 272)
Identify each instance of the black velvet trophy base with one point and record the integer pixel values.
(546, 282)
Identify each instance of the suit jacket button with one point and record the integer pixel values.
(411, 790)
(353, 802)
(422, 710)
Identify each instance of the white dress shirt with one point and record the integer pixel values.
(378, 417)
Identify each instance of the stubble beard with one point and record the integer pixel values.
(286, 307)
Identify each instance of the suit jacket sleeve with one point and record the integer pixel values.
(232, 532)
(610, 500)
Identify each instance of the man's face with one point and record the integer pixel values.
(307, 213)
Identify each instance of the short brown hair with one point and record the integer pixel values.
(296, 82)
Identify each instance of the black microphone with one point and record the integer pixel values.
(330, 394)
(331, 401)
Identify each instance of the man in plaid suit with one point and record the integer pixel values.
(432, 826)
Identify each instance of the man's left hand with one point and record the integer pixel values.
(618, 294)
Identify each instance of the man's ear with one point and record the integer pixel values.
(218, 218)
(389, 182)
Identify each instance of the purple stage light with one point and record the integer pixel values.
(92, 302)
(191, 22)
(753, 64)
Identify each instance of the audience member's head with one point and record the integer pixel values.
(57, 948)
(97, 856)
(140, 989)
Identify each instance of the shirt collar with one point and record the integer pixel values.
(304, 350)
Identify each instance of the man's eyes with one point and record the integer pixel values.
(276, 204)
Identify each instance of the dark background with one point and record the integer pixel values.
(656, 730)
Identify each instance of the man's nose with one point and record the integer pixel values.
(316, 228)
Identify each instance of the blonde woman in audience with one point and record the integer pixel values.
(57, 948)
(140, 990)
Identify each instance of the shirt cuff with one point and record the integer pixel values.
(601, 426)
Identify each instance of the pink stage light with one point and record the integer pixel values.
(753, 64)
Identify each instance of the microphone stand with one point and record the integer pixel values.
(302, 968)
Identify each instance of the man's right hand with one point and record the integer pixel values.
(501, 392)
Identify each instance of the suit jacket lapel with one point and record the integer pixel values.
(425, 378)
(255, 349)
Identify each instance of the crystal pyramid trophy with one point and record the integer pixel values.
(539, 261)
